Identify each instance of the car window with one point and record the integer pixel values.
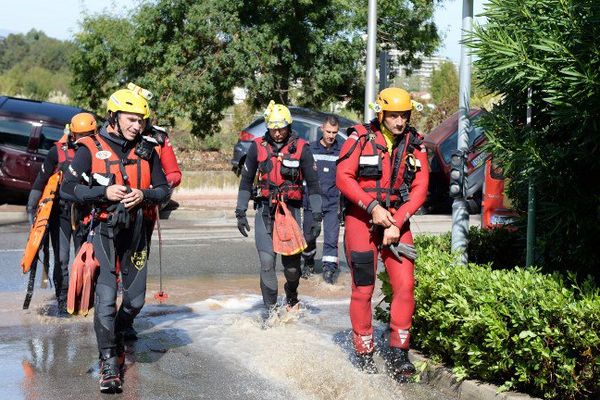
(448, 146)
(14, 133)
(256, 122)
(302, 129)
(474, 134)
(48, 137)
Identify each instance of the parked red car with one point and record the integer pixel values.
(440, 144)
(28, 129)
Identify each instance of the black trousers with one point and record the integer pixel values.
(263, 236)
(60, 232)
(128, 248)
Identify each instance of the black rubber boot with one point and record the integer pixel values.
(130, 334)
(365, 363)
(400, 366)
(291, 298)
(110, 374)
(62, 307)
(308, 269)
(329, 275)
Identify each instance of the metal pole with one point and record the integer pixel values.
(530, 200)
(383, 70)
(460, 211)
(371, 40)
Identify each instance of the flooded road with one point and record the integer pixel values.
(209, 341)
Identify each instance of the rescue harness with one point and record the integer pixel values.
(370, 165)
(279, 174)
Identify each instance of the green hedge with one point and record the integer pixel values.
(519, 328)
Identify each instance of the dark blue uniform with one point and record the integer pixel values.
(325, 160)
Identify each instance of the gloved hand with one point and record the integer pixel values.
(31, 212)
(404, 249)
(315, 228)
(32, 204)
(242, 222)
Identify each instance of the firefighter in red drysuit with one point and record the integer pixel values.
(164, 149)
(383, 174)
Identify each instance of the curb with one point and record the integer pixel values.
(443, 379)
(13, 217)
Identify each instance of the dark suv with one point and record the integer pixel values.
(28, 129)
(306, 123)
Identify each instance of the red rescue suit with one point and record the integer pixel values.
(169, 164)
(65, 155)
(279, 173)
(367, 173)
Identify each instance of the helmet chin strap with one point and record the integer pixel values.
(114, 122)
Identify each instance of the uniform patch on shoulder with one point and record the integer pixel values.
(354, 136)
(103, 155)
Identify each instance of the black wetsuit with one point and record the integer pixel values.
(114, 241)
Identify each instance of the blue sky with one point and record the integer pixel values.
(59, 18)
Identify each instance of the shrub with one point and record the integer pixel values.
(519, 328)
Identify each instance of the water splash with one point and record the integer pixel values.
(306, 351)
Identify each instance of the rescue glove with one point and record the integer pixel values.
(32, 204)
(242, 222)
(315, 228)
(407, 250)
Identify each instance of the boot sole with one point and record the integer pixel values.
(111, 387)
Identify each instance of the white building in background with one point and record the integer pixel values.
(424, 73)
(239, 95)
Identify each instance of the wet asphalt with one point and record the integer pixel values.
(50, 357)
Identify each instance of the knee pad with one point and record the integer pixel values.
(292, 274)
(363, 267)
(267, 261)
(134, 306)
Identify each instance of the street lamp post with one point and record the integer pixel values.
(371, 41)
(460, 211)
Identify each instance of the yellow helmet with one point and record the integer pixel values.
(126, 100)
(277, 116)
(393, 99)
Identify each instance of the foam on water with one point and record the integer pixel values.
(307, 352)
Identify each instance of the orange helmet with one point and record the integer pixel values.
(82, 123)
(393, 99)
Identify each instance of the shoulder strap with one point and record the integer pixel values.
(363, 130)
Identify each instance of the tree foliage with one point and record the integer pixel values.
(34, 65)
(192, 54)
(444, 83)
(552, 47)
